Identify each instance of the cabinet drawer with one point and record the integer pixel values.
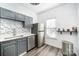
(8, 43)
(5, 13)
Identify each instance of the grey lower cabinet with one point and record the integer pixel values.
(13, 47)
(9, 48)
(5, 13)
(22, 45)
(31, 42)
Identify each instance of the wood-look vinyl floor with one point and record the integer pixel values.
(45, 50)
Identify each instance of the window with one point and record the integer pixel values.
(51, 28)
(51, 23)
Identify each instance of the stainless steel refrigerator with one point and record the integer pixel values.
(40, 35)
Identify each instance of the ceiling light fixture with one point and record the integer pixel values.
(34, 3)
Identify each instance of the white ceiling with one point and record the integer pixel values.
(41, 7)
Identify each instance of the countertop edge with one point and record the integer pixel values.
(16, 38)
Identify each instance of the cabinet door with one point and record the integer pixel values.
(28, 21)
(9, 49)
(5, 13)
(22, 46)
(31, 20)
(0, 11)
(20, 17)
(31, 42)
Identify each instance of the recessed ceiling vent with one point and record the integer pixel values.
(34, 3)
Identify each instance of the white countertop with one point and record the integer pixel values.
(2, 39)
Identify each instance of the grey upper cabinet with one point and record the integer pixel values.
(5, 13)
(0, 11)
(8, 14)
(20, 17)
(22, 45)
(9, 48)
(28, 21)
(31, 20)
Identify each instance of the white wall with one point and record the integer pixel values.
(18, 7)
(66, 16)
(78, 27)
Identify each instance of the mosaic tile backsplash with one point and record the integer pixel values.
(7, 27)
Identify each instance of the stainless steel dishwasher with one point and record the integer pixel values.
(31, 42)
